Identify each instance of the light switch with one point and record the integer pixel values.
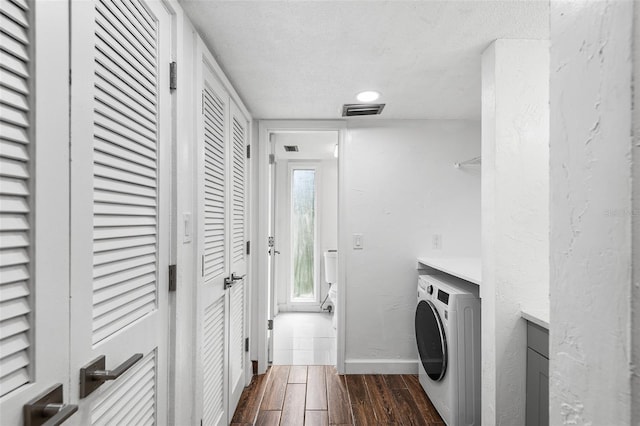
(186, 219)
(357, 242)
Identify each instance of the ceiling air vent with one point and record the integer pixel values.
(291, 148)
(351, 110)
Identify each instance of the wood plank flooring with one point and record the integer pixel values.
(317, 395)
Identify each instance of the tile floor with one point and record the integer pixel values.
(304, 338)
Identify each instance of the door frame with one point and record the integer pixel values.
(260, 284)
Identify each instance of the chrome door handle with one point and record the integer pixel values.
(47, 409)
(230, 281)
(94, 374)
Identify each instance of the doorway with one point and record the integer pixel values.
(305, 225)
(302, 201)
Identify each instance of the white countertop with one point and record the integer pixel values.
(539, 316)
(466, 268)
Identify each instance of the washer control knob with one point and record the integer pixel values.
(430, 289)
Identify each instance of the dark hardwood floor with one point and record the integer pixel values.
(317, 395)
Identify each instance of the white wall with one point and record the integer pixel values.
(515, 217)
(327, 217)
(401, 188)
(590, 160)
(182, 374)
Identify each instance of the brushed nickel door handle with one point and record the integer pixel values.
(47, 409)
(230, 281)
(94, 374)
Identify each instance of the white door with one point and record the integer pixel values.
(222, 221)
(120, 127)
(238, 170)
(34, 203)
(213, 243)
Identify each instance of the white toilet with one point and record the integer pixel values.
(331, 277)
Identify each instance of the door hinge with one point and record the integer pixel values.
(202, 263)
(272, 158)
(173, 76)
(172, 278)
(248, 247)
(246, 344)
(248, 151)
(270, 324)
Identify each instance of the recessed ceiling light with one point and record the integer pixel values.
(368, 96)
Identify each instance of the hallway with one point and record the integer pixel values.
(317, 395)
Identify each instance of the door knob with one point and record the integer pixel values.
(47, 409)
(230, 281)
(94, 374)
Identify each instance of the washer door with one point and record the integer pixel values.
(432, 341)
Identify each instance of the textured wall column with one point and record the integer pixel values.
(515, 217)
(591, 210)
(635, 307)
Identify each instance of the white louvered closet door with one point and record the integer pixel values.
(214, 238)
(34, 284)
(120, 147)
(238, 258)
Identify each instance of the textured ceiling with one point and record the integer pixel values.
(304, 59)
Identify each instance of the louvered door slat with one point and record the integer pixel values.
(236, 345)
(127, 107)
(114, 16)
(116, 57)
(15, 235)
(213, 362)
(125, 167)
(112, 82)
(131, 401)
(238, 190)
(142, 18)
(214, 196)
(16, 12)
(114, 28)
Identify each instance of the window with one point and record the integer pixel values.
(303, 234)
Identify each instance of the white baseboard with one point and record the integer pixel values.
(381, 366)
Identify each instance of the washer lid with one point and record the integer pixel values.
(432, 341)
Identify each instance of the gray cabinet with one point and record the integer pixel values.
(537, 375)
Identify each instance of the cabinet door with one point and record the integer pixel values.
(121, 127)
(34, 202)
(537, 389)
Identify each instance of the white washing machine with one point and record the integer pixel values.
(447, 329)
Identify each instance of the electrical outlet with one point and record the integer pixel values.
(436, 242)
(357, 242)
